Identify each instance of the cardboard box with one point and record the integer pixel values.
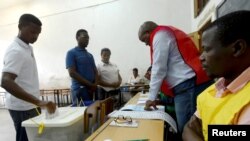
(67, 126)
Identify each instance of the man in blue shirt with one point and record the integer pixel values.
(82, 69)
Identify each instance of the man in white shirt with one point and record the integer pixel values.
(134, 80)
(20, 77)
(108, 75)
(176, 68)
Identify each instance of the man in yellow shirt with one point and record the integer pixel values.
(226, 49)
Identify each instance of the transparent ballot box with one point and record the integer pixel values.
(67, 125)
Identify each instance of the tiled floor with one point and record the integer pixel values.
(7, 130)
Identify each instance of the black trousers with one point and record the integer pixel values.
(18, 117)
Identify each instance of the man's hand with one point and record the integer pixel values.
(115, 84)
(48, 105)
(150, 103)
(193, 130)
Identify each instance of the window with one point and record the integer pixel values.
(199, 5)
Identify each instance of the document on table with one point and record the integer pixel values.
(142, 99)
(147, 115)
(132, 107)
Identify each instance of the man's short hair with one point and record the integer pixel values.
(135, 69)
(233, 26)
(25, 19)
(105, 49)
(80, 31)
(149, 68)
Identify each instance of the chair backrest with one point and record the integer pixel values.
(106, 107)
(92, 117)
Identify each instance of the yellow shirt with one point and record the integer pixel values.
(225, 105)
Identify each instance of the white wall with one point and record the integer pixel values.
(110, 23)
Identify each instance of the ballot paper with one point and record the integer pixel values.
(147, 115)
(132, 107)
(52, 115)
(143, 98)
(142, 101)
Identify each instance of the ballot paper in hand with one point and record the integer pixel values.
(50, 116)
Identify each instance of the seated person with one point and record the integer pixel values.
(108, 76)
(136, 81)
(147, 75)
(226, 49)
(135, 78)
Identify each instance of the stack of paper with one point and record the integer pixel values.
(143, 98)
(140, 108)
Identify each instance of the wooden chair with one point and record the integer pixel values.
(106, 107)
(92, 118)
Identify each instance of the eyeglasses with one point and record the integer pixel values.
(121, 119)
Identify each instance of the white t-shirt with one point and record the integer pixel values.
(108, 73)
(132, 80)
(20, 60)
